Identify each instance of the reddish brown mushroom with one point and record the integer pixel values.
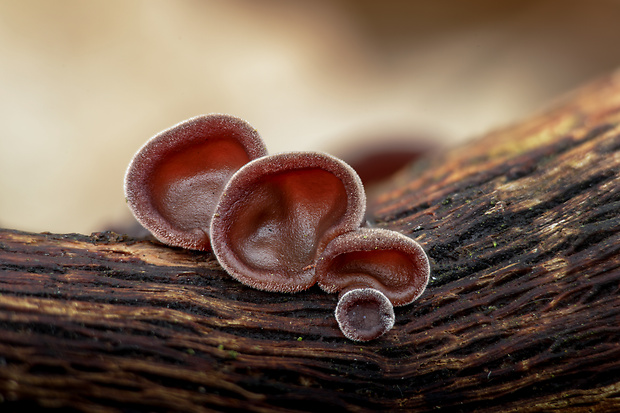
(363, 263)
(175, 180)
(279, 212)
(364, 314)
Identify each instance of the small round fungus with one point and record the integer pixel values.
(364, 314)
(279, 212)
(175, 180)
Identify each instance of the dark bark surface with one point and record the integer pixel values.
(522, 313)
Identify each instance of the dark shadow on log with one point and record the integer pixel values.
(522, 313)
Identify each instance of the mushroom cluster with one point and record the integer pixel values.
(279, 223)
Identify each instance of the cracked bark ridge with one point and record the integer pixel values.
(522, 229)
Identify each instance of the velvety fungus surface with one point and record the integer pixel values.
(364, 314)
(175, 180)
(279, 212)
(377, 258)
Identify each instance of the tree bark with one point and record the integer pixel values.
(522, 227)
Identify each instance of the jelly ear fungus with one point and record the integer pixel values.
(174, 181)
(278, 213)
(276, 223)
(373, 270)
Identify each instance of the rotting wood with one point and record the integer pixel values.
(522, 227)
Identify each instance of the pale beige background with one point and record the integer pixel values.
(84, 83)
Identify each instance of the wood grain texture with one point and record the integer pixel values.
(522, 313)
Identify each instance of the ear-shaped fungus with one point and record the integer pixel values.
(279, 212)
(372, 269)
(364, 314)
(175, 180)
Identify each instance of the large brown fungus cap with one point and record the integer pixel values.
(175, 180)
(279, 212)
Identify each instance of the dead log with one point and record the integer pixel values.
(522, 313)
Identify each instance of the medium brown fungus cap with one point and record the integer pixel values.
(376, 258)
(279, 212)
(175, 180)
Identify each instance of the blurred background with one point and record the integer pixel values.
(83, 84)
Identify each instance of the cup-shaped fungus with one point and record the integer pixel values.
(279, 212)
(364, 314)
(373, 269)
(175, 180)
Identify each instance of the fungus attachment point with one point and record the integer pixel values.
(279, 212)
(364, 314)
(377, 260)
(175, 180)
